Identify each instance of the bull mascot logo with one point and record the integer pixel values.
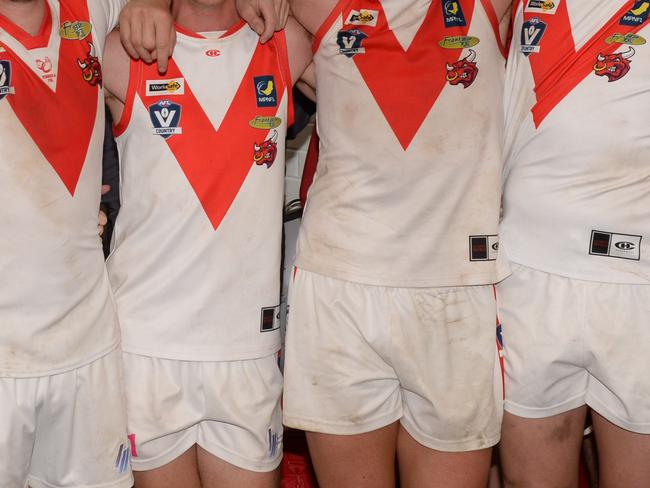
(91, 70)
(464, 71)
(614, 66)
(266, 152)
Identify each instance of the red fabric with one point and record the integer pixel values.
(297, 471)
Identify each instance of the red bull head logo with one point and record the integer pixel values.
(266, 152)
(614, 66)
(91, 70)
(464, 71)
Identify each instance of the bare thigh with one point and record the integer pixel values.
(422, 467)
(217, 473)
(182, 471)
(542, 453)
(355, 461)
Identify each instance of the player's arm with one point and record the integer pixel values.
(307, 82)
(299, 43)
(116, 74)
(503, 9)
(311, 13)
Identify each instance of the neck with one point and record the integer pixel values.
(205, 15)
(26, 14)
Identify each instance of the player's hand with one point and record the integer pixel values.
(147, 31)
(264, 16)
(102, 218)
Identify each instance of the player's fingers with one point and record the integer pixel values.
(163, 47)
(125, 37)
(283, 15)
(137, 33)
(149, 37)
(252, 18)
(270, 16)
(106, 189)
(102, 218)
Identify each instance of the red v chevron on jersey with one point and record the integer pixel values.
(217, 161)
(558, 68)
(60, 122)
(407, 83)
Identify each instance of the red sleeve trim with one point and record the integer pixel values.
(494, 21)
(283, 59)
(135, 77)
(322, 30)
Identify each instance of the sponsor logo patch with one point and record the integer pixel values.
(5, 79)
(213, 53)
(123, 458)
(483, 248)
(265, 123)
(350, 42)
(265, 91)
(458, 42)
(75, 30)
(637, 15)
(609, 244)
(531, 34)
(628, 39)
(173, 86)
(453, 13)
(270, 319)
(363, 17)
(165, 117)
(542, 6)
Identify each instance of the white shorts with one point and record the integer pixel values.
(65, 430)
(230, 408)
(360, 357)
(570, 342)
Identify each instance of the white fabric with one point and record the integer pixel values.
(585, 168)
(66, 430)
(570, 342)
(55, 308)
(360, 357)
(231, 409)
(184, 289)
(379, 213)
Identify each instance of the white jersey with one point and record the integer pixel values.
(577, 176)
(407, 190)
(196, 260)
(55, 307)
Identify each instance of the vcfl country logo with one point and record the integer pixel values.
(5, 79)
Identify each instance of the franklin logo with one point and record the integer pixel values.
(5, 79)
(265, 91)
(531, 34)
(265, 123)
(453, 13)
(637, 15)
(75, 30)
(629, 39)
(123, 457)
(363, 17)
(350, 41)
(166, 117)
(458, 42)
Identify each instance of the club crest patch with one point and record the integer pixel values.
(464, 71)
(614, 66)
(531, 34)
(91, 70)
(350, 42)
(5, 79)
(265, 152)
(165, 117)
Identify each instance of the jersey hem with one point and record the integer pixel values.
(62, 369)
(478, 279)
(340, 428)
(203, 357)
(575, 276)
